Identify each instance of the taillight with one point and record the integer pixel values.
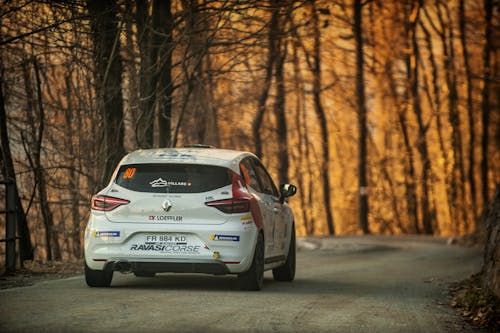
(106, 203)
(231, 206)
(239, 203)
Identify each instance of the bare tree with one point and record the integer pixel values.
(280, 100)
(485, 101)
(145, 119)
(412, 66)
(271, 55)
(8, 172)
(108, 78)
(162, 42)
(33, 147)
(362, 118)
(323, 123)
(470, 107)
(435, 103)
(199, 115)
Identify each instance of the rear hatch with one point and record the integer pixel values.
(170, 193)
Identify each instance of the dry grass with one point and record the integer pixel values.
(476, 304)
(35, 271)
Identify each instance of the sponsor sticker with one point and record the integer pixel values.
(246, 220)
(167, 248)
(168, 218)
(227, 238)
(106, 234)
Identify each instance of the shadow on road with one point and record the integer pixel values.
(207, 283)
(197, 283)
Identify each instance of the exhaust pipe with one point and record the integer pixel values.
(123, 267)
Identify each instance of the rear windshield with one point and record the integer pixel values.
(172, 178)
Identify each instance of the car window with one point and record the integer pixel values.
(248, 172)
(266, 181)
(173, 178)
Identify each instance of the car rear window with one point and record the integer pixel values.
(172, 178)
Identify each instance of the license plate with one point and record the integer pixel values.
(166, 239)
(174, 244)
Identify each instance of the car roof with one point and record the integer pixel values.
(208, 156)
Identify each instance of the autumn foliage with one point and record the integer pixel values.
(403, 95)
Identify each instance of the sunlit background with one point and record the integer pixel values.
(84, 82)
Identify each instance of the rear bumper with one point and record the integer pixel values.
(221, 249)
(168, 266)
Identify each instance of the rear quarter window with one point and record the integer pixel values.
(172, 178)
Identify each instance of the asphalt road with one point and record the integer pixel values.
(347, 284)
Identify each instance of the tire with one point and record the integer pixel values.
(253, 279)
(144, 274)
(98, 278)
(287, 271)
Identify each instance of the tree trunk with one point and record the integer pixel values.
(134, 78)
(457, 176)
(457, 142)
(412, 63)
(411, 191)
(108, 78)
(212, 135)
(485, 101)
(436, 105)
(73, 177)
(162, 42)
(279, 109)
(266, 86)
(8, 172)
(320, 114)
(470, 109)
(491, 266)
(300, 123)
(408, 159)
(34, 141)
(362, 120)
(145, 122)
(199, 117)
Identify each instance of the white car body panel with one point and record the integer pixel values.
(190, 233)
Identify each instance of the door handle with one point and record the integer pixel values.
(276, 210)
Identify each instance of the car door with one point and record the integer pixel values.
(253, 182)
(273, 205)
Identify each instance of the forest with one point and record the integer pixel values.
(385, 114)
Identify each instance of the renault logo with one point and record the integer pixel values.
(167, 205)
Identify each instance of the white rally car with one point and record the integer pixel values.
(191, 210)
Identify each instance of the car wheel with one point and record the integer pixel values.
(254, 278)
(144, 274)
(98, 278)
(287, 271)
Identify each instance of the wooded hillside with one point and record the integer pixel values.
(385, 114)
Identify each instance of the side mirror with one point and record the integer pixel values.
(287, 190)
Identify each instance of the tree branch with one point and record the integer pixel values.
(33, 32)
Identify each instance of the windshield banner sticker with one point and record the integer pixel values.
(164, 183)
